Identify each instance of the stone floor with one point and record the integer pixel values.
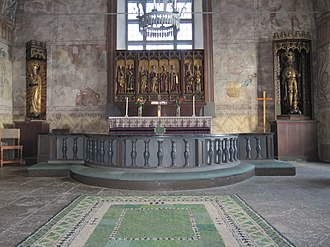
(299, 206)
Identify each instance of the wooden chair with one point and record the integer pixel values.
(10, 140)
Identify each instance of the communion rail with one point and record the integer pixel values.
(177, 151)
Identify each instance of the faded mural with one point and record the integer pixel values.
(74, 32)
(243, 59)
(5, 87)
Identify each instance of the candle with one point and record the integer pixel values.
(126, 114)
(194, 114)
(159, 111)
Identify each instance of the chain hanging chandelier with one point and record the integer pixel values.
(163, 20)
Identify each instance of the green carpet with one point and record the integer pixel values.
(157, 221)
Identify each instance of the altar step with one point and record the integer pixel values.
(162, 178)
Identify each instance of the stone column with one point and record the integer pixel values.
(323, 93)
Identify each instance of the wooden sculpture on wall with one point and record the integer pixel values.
(292, 74)
(36, 80)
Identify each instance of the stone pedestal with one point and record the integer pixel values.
(295, 139)
(29, 138)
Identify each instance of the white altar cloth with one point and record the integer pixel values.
(124, 122)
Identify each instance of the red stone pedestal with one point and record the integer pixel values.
(29, 138)
(295, 139)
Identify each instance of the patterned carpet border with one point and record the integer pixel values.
(223, 220)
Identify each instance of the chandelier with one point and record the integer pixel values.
(162, 21)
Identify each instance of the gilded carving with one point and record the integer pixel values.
(292, 74)
(121, 77)
(143, 76)
(164, 79)
(154, 74)
(189, 76)
(35, 89)
(174, 84)
(154, 77)
(36, 80)
(130, 82)
(198, 85)
(290, 83)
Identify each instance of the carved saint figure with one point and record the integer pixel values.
(154, 79)
(164, 79)
(121, 79)
(189, 79)
(174, 80)
(143, 80)
(34, 91)
(130, 78)
(198, 75)
(290, 80)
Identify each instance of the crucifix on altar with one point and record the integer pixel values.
(264, 99)
(159, 104)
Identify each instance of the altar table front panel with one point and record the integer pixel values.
(147, 125)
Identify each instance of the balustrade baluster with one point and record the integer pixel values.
(64, 148)
(210, 152)
(146, 153)
(110, 152)
(160, 153)
(216, 146)
(235, 149)
(248, 148)
(96, 151)
(92, 150)
(102, 152)
(87, 149)
(133, 153)
(75, 148)
(219, 151)
(258, 148)
(225, 151)
(186, 153)
(173, 153)
(231, 150)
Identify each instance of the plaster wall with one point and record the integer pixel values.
(243, 57)
(75, 34)
(7, 18)
(6, 106)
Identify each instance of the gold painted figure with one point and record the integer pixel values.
(130, 78)
(198, 75)
(143, 80)
(290, 77)
(154, 79)
(174, 80)
(34, 91)
(121, 79)
(189, 79)
(164, 79)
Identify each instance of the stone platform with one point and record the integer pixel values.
(167, 179)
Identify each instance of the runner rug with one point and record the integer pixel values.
(92, 221)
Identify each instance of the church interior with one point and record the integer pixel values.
(166, 98)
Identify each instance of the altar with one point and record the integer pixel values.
(169, 125)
